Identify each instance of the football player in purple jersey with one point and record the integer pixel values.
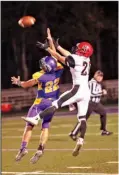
(48, 90)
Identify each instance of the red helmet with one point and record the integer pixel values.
(84, 49)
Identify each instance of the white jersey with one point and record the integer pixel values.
(80, 92)
(79, 68)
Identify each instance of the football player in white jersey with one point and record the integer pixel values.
(79, 64)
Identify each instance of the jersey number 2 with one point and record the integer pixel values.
(84, 71)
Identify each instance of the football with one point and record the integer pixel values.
(27, 21)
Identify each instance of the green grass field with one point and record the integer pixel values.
(99, 154)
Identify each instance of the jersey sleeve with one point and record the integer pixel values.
(69, 61)
(37, 75)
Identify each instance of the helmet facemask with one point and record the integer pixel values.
(74, 48)
(46, 66)
(84, 49)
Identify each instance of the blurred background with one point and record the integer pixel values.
(72, 22)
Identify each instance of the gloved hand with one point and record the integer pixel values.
(56, 42)
(42, 45)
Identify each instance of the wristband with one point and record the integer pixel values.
(19, 83)
(58, 47)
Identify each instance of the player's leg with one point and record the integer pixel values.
(91, 107)
(103, 118)
(73, 134)
(44, 135)
(42, 143)
(65, 99)
(26, 135)
(58, 103)
(25, 140)
(69, 99)
(82, 110)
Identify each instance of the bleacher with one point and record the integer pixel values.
(20, 98)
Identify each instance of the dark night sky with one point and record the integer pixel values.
(8, 9)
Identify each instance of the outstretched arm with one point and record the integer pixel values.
(56, 55)
(24, 84)
(58, 47)
(52, 46)
(69, 61)
(50, 39)
(61, 49)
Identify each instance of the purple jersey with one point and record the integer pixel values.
(48, 84)
(48, 90)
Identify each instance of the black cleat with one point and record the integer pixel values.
(73, 137)
(106, 133)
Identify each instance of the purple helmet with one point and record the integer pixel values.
(48, 63)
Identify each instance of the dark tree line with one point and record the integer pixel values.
(72, 22)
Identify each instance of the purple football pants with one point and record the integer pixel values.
(35, 109)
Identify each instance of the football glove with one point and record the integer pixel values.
(42, 45)
(56, 42)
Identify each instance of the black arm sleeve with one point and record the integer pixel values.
(69, 61)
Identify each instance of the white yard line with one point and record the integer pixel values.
(79, 167)
(53, 173)
(113, 162)
(66, 149)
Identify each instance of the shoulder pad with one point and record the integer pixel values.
(38, 74)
